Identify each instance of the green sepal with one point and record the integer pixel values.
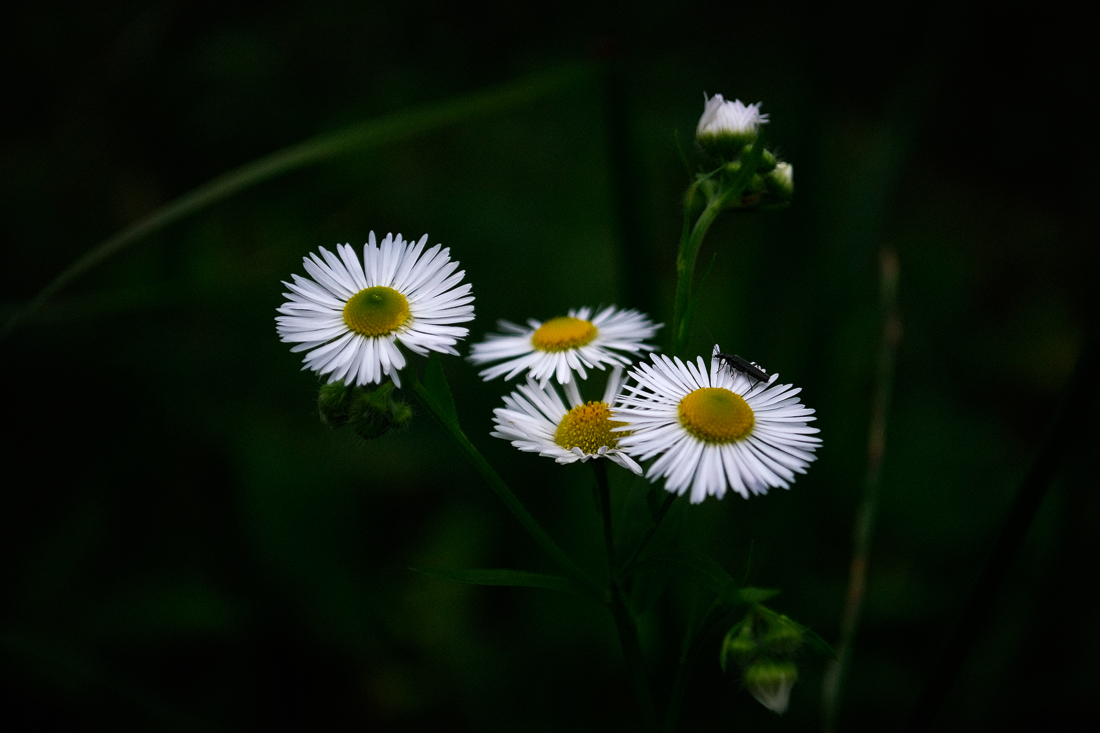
(500, 577)
(435, 382)
(738, 643)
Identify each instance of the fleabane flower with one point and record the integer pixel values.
(566, 344)
(715, 430)
(535, 420)
(726, 127)
(351, 316)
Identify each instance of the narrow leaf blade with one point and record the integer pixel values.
(501, 577)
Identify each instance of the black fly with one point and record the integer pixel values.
(736, 363)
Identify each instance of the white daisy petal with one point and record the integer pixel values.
(561, 347)
(413, 300)
(716, 429)
(536, 420)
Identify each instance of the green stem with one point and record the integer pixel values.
(365, 135)
(691, 241)
(505, 494)
(624, 621)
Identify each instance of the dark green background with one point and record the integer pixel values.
(184, 546)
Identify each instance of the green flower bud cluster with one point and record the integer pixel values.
(371, 413)
(763, 645)
(771, 185)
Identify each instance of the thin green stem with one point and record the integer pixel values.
(868, 508)
(496, 483)
(624, 621)
(628, 565)
(370, 134)
(685, 270)
(692, 240)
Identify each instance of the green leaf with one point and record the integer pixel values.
(756, 595)
(435, 382)
(704, 571)
(818, 644)
(520, 578)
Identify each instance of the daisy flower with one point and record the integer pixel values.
(566, 344)
(350, 317)
(536, 420)
(715, 430)
(727, 126)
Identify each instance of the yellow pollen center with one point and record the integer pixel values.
(716, 415)
(376, 311)
(588, 427)
(563, 333)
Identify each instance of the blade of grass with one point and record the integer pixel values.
(868, 508)
(365, 135)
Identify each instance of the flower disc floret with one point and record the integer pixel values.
(588, 427)
(716, 415)
(563, 333)
(376, 311)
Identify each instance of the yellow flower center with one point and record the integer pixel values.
(716, 415)
(588, 427)
(563, 333)
(376, 311)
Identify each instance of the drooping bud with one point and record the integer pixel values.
(770, 682)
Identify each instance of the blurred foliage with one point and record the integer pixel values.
(185, 545)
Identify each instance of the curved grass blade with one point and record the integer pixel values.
(365, 135)
(516, 578)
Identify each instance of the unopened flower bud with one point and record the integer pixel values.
(781, 180)
(333, 403)
(767, 159)
(770, 682)
(371, 413)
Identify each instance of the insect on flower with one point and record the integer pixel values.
(736, 363)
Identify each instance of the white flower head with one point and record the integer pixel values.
(351, 316)
(715, 430)
(736, 117)
(566, 344)
(535, 420)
